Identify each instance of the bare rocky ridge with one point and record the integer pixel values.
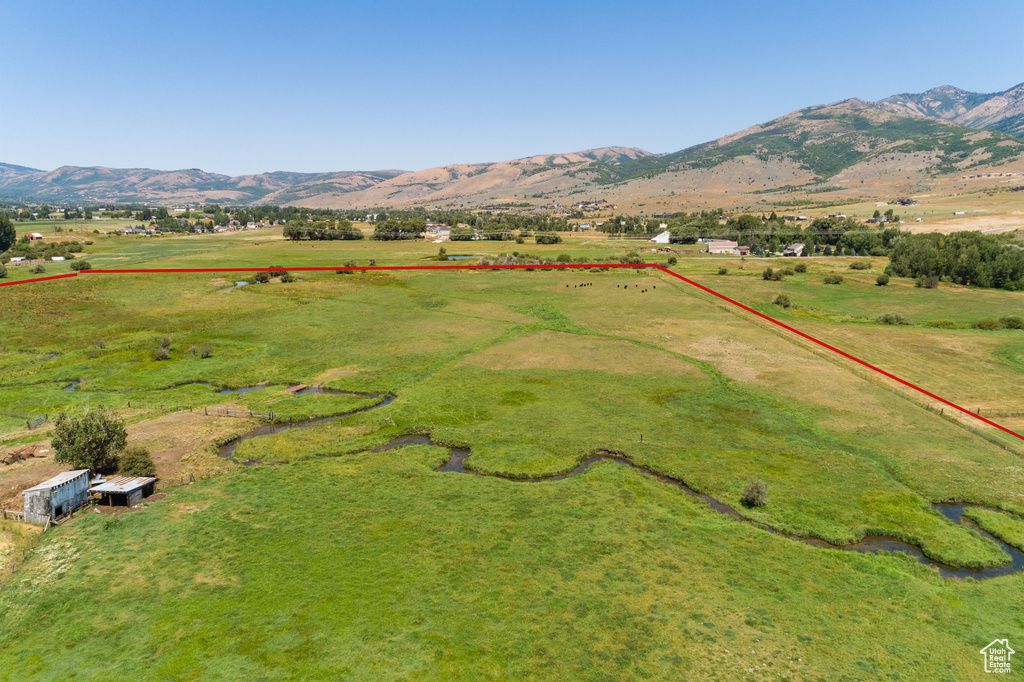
(1003, 111)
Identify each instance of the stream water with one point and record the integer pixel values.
(869, 544)
(228, 449)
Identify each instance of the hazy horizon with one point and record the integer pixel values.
(325, 87)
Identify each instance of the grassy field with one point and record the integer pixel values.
(342, 563)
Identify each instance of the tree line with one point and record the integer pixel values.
(970, 258)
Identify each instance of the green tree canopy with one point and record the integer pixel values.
(91, 441)
(7, 233)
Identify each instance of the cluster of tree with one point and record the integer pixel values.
(392, 229)
(39, 250)
(769, 234)
(97, 441)
(321, 230)
(8, 235)
(962, 257)
(890, 216)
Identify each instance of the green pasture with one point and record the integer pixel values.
(340, 563)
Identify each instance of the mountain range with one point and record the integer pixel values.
(848, 148)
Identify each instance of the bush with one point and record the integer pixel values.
(548, 238)
(1012, 322)
(136, 461)
(787, 272)
(165, 342)
(755, 494)
(800, 267)
(882, 280)
(261, 277)
(161, 354)
(563, 258)
(80, 265)
(782, 300)
(833, 279)
(287, 278)
(88, 442)
(892, 318)
(723, 271)
(3, 271)
(942, 324)
(773, 275)
(206, 351)
(672, 260)
(988, 324)
(860, 265)
(38, 269)
(929, 282)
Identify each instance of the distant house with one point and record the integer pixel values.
(60, 495)
(662, 238)
(793, 249)
(34, 236)
(722, 246)
(57, 259)
(584, 226)
(742, 251)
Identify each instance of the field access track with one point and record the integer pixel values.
(551, 267)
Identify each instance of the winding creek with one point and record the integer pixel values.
(869, 544)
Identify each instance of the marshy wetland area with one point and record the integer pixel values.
(615, 419)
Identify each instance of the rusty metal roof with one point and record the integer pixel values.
(59, 479)
(122, 484)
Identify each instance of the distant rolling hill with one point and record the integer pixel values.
(851, 148)
(96, 184)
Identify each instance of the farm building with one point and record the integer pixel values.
(56, 497)
(722, 246)
(34, 236)
(796, 249)
(662, 238)
(124, 490)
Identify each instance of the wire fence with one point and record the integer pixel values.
(37, 422)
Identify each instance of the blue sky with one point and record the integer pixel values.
(247, 87)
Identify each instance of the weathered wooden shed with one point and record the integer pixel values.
(56, 497)
(125, 490)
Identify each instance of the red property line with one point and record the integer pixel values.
(843, 353)
(586, 266)
(38, 279)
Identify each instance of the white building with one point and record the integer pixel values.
(662, 238)
(722, 246)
